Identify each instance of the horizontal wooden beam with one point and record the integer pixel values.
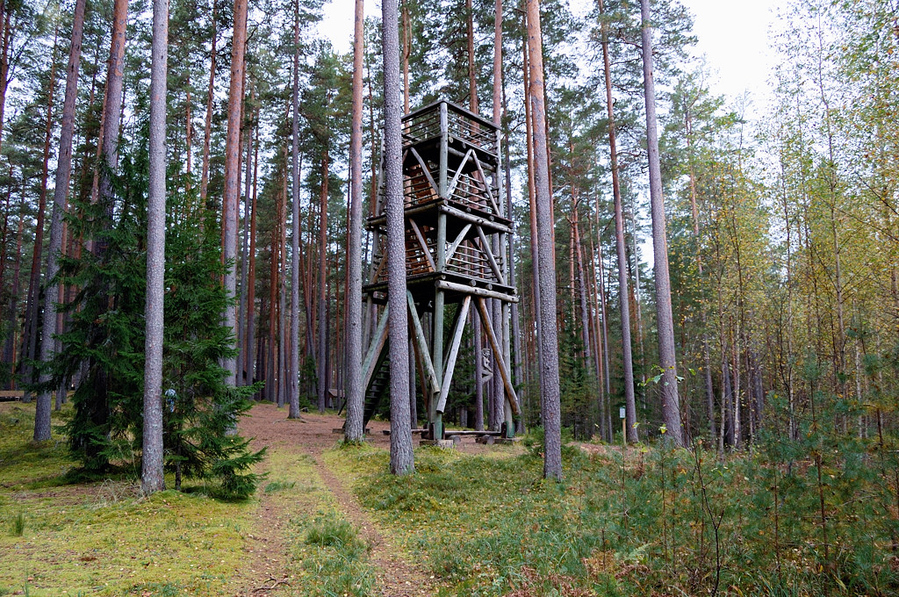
(476, 291)
(462, 215)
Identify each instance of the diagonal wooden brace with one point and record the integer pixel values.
(422, 345)
(490, 258)
(459, 238)
(461, 316)
(374, 350)
(498, 355)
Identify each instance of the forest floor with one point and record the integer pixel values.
(62, 538)
(396, 574)
(328, 520)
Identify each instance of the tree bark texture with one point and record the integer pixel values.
(250, 358)
(293, 371)
(401, 457)
(545, 268)
(353, 389)
(243, 305)
(210, 102)
(63, 175)
(630, 404)
(29, 340)
(665, 319)
(112, 116)
(322, 306)
(152, 477)
(284, 339)
(232, 173)
(472, 75)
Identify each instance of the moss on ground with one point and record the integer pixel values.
(104, 538)
(646, 521)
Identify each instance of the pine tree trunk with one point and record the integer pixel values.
(322, 352)
(246, 144)
(232, 173)
(250, 362)
(63, 175)
(152, 478)
(244, 308)
(478, 372)
(4, 230)
(29, 336)
(271, 379)
(4, 63)
(401, 457)
(630, 404)
(694, 211)
(581, 289)
(308, 275)
(9, 349)
(665, 319)
(472, 75)
(210, 103)
(605, 337)
(293, 371)
(353, 387)
(407, 51)
(283, 338)
(532, 208)
(545, 268)
(637, 301)
(112, 116)
(188, 142)
(98, 411)
(497, 389)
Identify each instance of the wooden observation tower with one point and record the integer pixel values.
(456, 244)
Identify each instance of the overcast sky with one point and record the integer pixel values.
(732, 35)
(734, 38)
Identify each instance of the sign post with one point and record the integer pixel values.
(622, 416)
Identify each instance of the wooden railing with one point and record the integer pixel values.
(461, 124)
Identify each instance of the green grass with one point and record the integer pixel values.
(273, 486)
(330, 558)
(18, 525)
(24, 464)
(103, 538)
(626, 525)
(645, 522)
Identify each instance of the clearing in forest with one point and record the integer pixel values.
(303, 533)
(479, 520)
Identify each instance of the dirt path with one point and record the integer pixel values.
(396, 576)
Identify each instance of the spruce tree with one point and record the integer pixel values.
(107, 335)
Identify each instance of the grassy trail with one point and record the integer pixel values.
(390, 572)
(104, 538)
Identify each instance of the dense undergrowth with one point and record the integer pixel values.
(648, 522)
